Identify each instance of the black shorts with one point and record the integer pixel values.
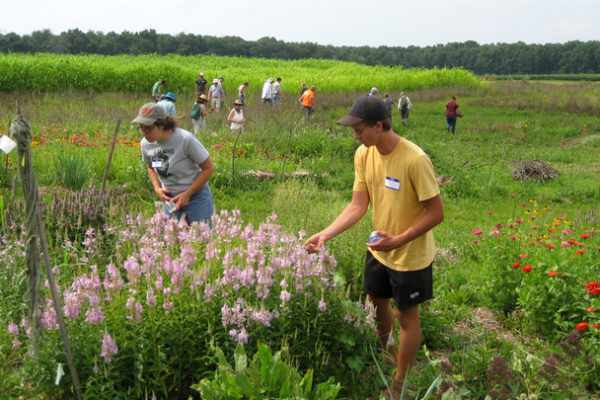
(408, 288)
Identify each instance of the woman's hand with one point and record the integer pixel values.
(181, 200)
(162, 193)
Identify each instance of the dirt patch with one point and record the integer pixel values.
(445, 254)
(578, 140)
(482, 317)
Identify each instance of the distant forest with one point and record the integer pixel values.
(501, 58)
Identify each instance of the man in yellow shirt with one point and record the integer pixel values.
(397, 178)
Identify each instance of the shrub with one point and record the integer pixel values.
(267, 376)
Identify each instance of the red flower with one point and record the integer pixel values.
(527, 269)
(516, 265)
(590, 309)
(597, 326)
(549, 246)
(590, 286)
(513, 195)
(477, 231)
(585, 236)
(582, 326)
(522, 255)
(553, 273)
(581, 251)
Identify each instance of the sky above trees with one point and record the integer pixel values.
(335, 22)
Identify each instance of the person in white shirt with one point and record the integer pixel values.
(267, 92)
(216, 94)
(405, 107)
(236, 117)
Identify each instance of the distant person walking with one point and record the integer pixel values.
(389, 104)
(216, 94)
(241, 93)
(236, 117)
(201, 85)
(168, 103)
(267, 91)
(405, 107)
(157, 89)
(198, 113)
(452, 112)
(307, 101)
(303, 89)
(277, 91)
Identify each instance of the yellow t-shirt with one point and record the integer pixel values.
(397, 183)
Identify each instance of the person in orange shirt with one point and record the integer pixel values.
(307, 101)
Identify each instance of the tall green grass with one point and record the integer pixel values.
(96, 73)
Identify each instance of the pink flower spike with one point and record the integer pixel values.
(109, 347)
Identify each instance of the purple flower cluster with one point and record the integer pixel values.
(253, 273)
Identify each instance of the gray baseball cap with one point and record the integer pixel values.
(149, 113)
(365, 107)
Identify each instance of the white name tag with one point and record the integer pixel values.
(157, 163)
(392, 183)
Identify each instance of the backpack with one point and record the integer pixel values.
(404, 103)
(196, 111)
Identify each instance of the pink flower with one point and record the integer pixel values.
(13, 329)
(285, 296)
(477, 231)
(322, 305)
(109, 347)
(512, 195)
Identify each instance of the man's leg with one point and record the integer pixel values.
(384, 317)
(408, 344)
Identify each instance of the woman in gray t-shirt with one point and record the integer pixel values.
(179, 166)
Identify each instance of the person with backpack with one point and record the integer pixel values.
(405, 107)
(198, 113)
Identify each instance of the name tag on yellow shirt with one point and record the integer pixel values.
(392, 183)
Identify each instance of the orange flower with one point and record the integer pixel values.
(590, 309)
(581, 251)
(582, 326)
(553, 273)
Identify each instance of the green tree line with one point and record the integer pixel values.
(500, 58)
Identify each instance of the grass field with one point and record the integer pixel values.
(492, 330)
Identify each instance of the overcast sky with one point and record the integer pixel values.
(336, 22)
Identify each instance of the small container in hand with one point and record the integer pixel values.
(170, 206)
(374, 237)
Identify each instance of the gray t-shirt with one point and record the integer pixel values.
(175, 160)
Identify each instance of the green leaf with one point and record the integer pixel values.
(240, 358)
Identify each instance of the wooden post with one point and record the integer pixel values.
(110, 155)
(36, 230)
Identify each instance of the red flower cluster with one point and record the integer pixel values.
(593, 287)
(582, 326)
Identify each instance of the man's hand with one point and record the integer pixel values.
(386, 243)
(314, 243)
